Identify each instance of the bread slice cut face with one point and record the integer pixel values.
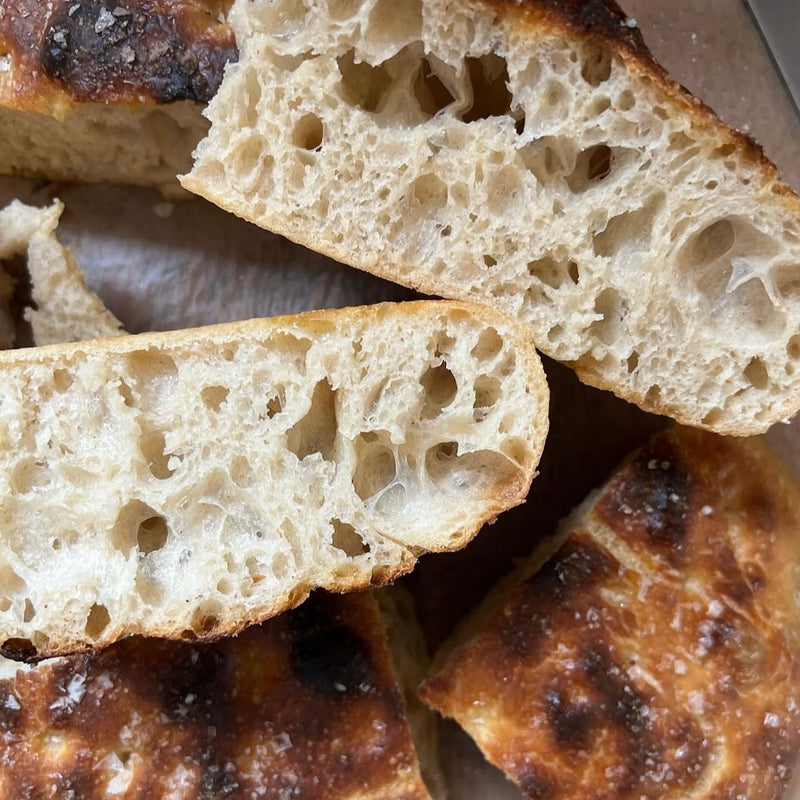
(657, 652)
(190, 483)
(305, 700)
(529, 155)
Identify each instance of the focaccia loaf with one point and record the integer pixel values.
(657, 653)
(531, 155)
(63, 308)
(191, 483)
(305, 705)
(97, 91)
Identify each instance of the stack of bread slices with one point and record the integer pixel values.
(190, 518)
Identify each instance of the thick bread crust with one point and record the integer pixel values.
(192, 483)
(396, 151)
(306, 705)
(658, 652)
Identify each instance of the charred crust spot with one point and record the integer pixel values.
(536, 784)
(572, 722)
(217, 781)
(97, 50)
(19, 650)
(10, 709)
(649, 500)
(563, 582)
(197, 687)
(325, 655)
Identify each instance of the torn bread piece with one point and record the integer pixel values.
(92, 91)
(657, 653)
(63, 308)
(194, 482)
(532, 156)
(307, 704)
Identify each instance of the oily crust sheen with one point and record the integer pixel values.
(306, 705)
(656, 653)
(141, 51)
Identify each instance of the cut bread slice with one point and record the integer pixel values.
(63, 308)
(307, 700)
(194, 482)
(657, 653)
(93, 91)
(532, 156)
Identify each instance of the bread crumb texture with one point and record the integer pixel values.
(657, 653)
(532, 156)
(186, 484)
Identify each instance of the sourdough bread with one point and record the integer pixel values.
(191, 483)
(63, 308)
(657, 653)
(92, 91)
(532, 156)
(305, 705)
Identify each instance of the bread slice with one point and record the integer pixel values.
(305, 705)
(529, 155)
(96, 91)
(63, 308)
(657, 653)
(191, 483)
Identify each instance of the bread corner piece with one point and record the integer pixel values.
(529, 155)
(194, 482)
(93, 91)
(657, 653)
(305, 701)
(63, 308)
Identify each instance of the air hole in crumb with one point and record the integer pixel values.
(487, 392)
(242, 473)
(431, 93)
(375, 465)
(476, 472)
(225, 586)
(591, 166)
(10, 582)
(440, 389)
(5, 604)
(489, 261)
(125, 391)
(430, 192)
(632, 362)
(18, 649)
(62, 380)
(29, 612)
(214, 397)
(346, 539)
(205, 618)
(316, 431)
(712, 417)
(274, 406)
(613, 310)
(29, 475)
(596, 68)
(154, 450)
(97, 621)
(489, 344)
(308, 132)
(626, 100)
(553, 272)
(152, 534)
(756, 373)
(793, 347)
(488, 76)
(124, 534)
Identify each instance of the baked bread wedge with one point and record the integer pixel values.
(194, 482)
(533, 156)
(657, 652)
(305, 705)
(63, 308)
(112, 92)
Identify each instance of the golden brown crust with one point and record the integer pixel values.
(305, 706)
(658, 652)
(140, 51)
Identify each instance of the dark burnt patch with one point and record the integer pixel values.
(536, 783)
(572, 721)
(99, 51)
(649, 500)
(325, 655)
(565, 585)
(19, 650)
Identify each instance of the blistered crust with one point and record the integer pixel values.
(657, 652)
